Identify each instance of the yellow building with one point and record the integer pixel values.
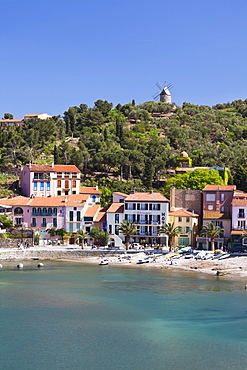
(187, 222)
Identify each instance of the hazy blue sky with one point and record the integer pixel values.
(60, 53)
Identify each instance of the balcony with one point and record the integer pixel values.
(241, 215)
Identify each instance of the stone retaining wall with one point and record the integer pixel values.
(43, 254)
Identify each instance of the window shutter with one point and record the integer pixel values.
(134, 206)
(150, 206)
(138, 206)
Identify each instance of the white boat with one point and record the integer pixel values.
(103, 262)
(200, 255)
(143, 260)
(224, 255)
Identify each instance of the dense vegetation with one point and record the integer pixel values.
(137, 143)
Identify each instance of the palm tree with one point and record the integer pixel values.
(127, 228)
(81, 235)
(170, 230)
(212, 232)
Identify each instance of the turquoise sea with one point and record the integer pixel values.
(73, 316)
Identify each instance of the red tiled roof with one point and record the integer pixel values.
(101, 216)
(11, 120)
(116, 207)
(183, 213)
(220, 187)
(237, 232)
(52, 168)
(55, 201)
(214, 215)
(92, 211)
(147, 197)
(89, 190)
(239, 202)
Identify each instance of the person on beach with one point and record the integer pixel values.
(18, 245)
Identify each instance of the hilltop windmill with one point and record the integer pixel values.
(164, 94)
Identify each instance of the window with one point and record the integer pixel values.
(54, 222)
(35, 186)
(78, 216)
(222, 209)
(33, 222)
(49, 211)
(18, 221)
(210, 197)
(73, 183)
(66, 192)
(222, 197)
(41, 186)
(18, 211)
(48, 186)
(116, 230)
(142, 219)
(187, 230)
(71, 228)
(78, 226)
(43, 222)
(39, 211)
(241, 213)
(210, 207)
(59, 183)
(44, 211)
(59, 192)
(71, 214)
(66, 184)
(143, 206)
(117, 218)
(241, 225)
(156, 207)
(155, 219)
(110, 229)
(55, 211)
(179, 219)
(94, 198)
(187, 219)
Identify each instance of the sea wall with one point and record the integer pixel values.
(44, 254)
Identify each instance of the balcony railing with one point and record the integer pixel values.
(241, 215)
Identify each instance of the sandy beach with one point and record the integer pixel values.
(234, 267)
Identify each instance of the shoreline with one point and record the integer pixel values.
(231, 268)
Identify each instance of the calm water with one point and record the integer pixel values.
(71, 316)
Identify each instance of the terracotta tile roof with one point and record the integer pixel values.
(92, 211)
(101, 216)
(121, 194)
(33, 114)
(116, 207)
(15, 201)
(214, 215)
(89, 190)
(183, 213)
(66, 168)
(50, 168)
(146, 197)
(237, 232)
(11, 120)
(220, 187)
(239, 202)
(76, 199)
(55, 201)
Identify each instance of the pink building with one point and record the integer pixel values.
(49, 180)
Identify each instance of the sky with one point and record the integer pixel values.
(56, 54)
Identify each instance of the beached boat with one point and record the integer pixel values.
(103, 262)
(143, 260)
(224, 255)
